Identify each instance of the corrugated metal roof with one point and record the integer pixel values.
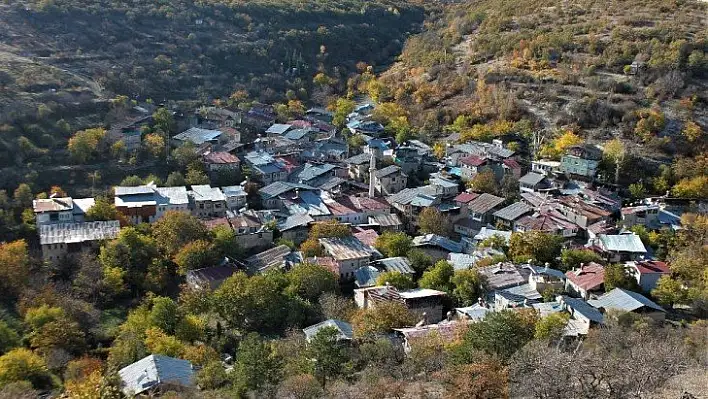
(583, 308)
(487, 232)
(206, 192)
(198, 136)
(234, 191)
(153, 370)
(366, 276)
(484, 203)
(345, 329)
(310, 171)
(390, 220)
(503, 275)
(589, 277)
(346, 248)
(438, 241)
(52, 204)
(359, 159)
(138, 190)
(513, 211)
(398, 264)
(389, 170)
(278, 188)
(475, 312)
(172, 195)
(67, 233)
(531, 179)
(293, 221)
(624, 300)
(278, 128)
(622, 243)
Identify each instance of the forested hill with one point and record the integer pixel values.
(191, 49)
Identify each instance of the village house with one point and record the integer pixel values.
(61, 210)
(274, 195)
(344, 329)
(478, 213)
(472, 165)
(647, 272)
(585, 280)
(519, 296)
(295, 228)
(475, 313)
(581, 161)
(312, 174)
(628, 301)
(221, 161)
(209, 278)
(60, 239)
(410, 202)
(236, 197)
(278, 129)
(581, 212)
(504, 275)
(545, 167)
(276, 258)
(260, 116)
(584, 316)
(507, 216)
(198, 137)
(358, 166)
(147, 203)
(425, 303)
(266, 168)
(495, 151)
(444, 184)
(644, 215)
(207, 202)
(446, 331)
(366, 276)
(545, 278)
(154, 374)
(619, 247)
(435, 246)
(250, 230)
(511, 168)
(534, 182)
(390, 180)
(310, 203)
(548, 220)
(349, 254)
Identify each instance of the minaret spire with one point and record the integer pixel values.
(372, 175)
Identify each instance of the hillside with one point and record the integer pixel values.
(556, 66)
(61, 60)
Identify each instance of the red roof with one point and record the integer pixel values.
(466, 197)
(300, 124)
(339, 208)
(512, 164)
(368, 204)
(652, 266)
(368, 237)
(325, 261)
(221, 157)
(473, 160)
(591, 276)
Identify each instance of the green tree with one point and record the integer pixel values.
(163, 314)
(469, 286)
(392, 244)
(61, 333)
(164, 121)
(396, 279)
(637, 190)
(185, 154)
(23, 196)
(226, 243)
(432, 221)
(309, 281)
(175, 179)
(537, 245)
(131, 252)
(212, 376)
(158, 342)
(176, 229)
(85, 145)
(329, 229)
(131, 181)
(551, 327)
(669, 291)
(103, 209)
(195, 255)
(24, 365)
(386, 316)
(500, 333)
(8, 338)
(14, 267)
(342, 108)
(256, 365)
(484, 182)
(617, 276)
(572, 258)
(438, 277)
(329, 354)
(195, 175)
(420, 261)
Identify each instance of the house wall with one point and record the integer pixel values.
(207, 209)
(250, 241)
(296, 235)
(578, 166)
(391, 184)
(347, 267)
(54, 217)
(574, 290)
(144, 214)
(648, 281)
(235, 202)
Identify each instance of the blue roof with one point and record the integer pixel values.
(293, 221)
(397, 264)
(366, 276)
(297, 134)
(310, 171)
(475, 312)
(622, 243)
(583, 308)
(625, 300)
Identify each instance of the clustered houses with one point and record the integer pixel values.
(303, 172)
